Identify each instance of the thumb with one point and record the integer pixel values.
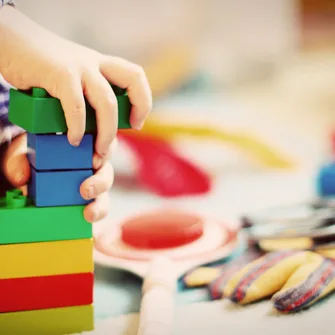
(16, 165)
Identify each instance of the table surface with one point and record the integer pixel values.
(240, 186)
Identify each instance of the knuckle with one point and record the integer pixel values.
(77, 110)
(110, 101)
(85, 68)
(16, 78)
(63, 72)
(60, 77)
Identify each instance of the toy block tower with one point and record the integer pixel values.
(46, 246)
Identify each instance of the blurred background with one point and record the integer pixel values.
(243, 89)
(259, 70)
(268, 60)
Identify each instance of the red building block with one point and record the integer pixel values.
(23, 294)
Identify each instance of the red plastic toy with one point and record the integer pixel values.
(161, 170)
(160, 230)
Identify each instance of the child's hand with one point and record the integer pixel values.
(17, 170)
(34, 57)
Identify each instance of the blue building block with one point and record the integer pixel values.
(54, 152)
(57, 188)
(325, 182)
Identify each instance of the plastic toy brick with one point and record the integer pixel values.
(54, 152)
(14, 199)
(25, 294)
(22, 222)
(39, 113)
(57, 188)
(46, 259)
(56, 321)
(325, 180)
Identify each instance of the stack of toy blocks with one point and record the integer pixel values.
(46, 246)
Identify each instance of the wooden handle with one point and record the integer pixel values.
(157, 306)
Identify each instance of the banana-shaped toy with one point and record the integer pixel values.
(293, 279)
(265, 154)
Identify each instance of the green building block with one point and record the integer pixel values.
(22, 222)
(39, 113)
(55, 321)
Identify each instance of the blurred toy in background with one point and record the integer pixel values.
(295, 279)
(160, 247)
(297, 226)
(161, 230)
(325, 182)
(216, 277)
(290, 256)
(263, 153)
(170, 70)
(160, 167)
(325, 176)
(161, 170)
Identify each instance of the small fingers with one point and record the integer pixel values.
(132, 77)
(99, 183)
(101, 97)
(98, 209)
(70, 93)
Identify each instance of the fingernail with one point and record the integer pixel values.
(139, 125)
(75, 143)
(90, 192)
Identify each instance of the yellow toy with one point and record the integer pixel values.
(293, 279)
(254, 148)
(170, 69)
(53, 321)
(46, 258)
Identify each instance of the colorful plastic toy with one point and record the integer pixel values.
(43, 114)
(167, 229)
(22, 222)
(30, 293)
(46, 246)
(51, 321)
(161, 170)
(161, 268)
(325, 181)
(47, 152)
(256, 149)
(65, 185)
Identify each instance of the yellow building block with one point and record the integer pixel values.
(57, 321)
(46, 258)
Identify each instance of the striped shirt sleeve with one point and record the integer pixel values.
(8, 131)
(7, 2)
